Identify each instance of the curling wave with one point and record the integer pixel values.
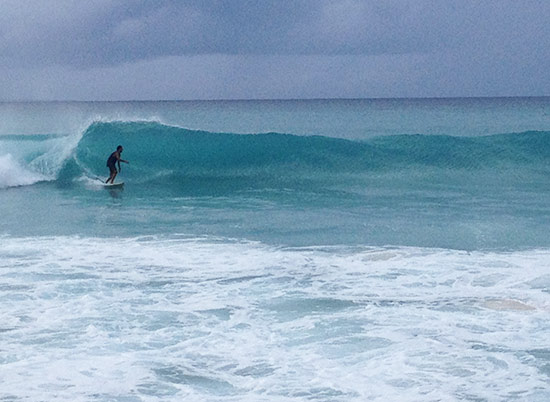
(160, 153)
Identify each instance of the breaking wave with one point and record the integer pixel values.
(161, 154)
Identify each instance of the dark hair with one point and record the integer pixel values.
(119, 147)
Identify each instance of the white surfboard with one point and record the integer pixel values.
(114, 185)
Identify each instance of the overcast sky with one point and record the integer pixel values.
(256, 49)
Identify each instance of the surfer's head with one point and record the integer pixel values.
(119, 148)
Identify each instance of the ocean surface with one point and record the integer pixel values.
(315, 250)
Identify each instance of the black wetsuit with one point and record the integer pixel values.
(111, 162)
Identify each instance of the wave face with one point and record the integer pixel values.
(171, 155)
(155, 148)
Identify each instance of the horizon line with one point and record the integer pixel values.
(275, 99)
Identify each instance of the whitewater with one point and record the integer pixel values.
(332, 250)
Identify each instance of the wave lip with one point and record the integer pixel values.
(12, 174)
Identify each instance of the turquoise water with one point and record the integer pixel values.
(276, 250)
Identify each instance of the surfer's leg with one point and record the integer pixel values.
(112, 175)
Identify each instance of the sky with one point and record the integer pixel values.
(272, 49)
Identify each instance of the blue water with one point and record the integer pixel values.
(387, 249)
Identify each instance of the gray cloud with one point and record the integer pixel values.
(110, 32)
(279, 48)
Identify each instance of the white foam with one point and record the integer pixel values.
(508, 304)
(12, 174)
(34, 162)
(212, 319)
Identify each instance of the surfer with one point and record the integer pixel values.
(112, 161)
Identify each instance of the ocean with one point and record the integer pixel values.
(297, 250)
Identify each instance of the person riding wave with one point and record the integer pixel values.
(114, 158)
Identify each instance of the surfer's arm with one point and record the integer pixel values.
(119, 159)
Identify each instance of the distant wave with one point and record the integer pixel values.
(160, 153)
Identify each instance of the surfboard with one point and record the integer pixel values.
(114, 185)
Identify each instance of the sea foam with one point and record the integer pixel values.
(12, 174)
(217, 319)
